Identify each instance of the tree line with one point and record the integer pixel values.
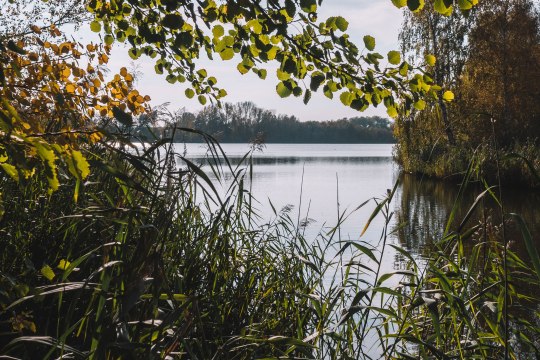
(246, 122)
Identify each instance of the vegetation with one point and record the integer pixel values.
(245, 122)
(112, 250)
(182, 272)
(490, 61)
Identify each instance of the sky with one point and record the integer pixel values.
(378, 18)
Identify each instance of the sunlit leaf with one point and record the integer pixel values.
(47, 272)
(63, 264)
(282, 90)
(430, 60)
(448, 96)
(394, 57)
(369, 42)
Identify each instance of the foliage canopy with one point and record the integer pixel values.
(49, 97)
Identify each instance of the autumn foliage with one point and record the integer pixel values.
(52, 93)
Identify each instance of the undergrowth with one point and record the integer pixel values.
(153, 261)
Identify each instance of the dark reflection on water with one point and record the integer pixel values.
(424, 205)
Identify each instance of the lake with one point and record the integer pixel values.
(317, 180)
(320, 182)
(323, 181)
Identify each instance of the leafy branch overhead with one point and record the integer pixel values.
(53, 90)
(313, 54)
(51, 95)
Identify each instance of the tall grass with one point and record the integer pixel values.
(153, 261)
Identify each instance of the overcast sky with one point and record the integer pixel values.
(378, 18)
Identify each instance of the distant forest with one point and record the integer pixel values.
(245, 122)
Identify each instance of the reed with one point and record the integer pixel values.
(154, 261)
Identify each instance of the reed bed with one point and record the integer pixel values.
(153, 261)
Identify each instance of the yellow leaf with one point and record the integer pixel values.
(70, 88)
(448, 96)
(63, 264)
(80, 162)
(35, 29)
(66, 72)
(48, 158)
(392, 112)
(48, 272)
(11, 171)
(431, 60)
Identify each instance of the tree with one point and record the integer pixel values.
(48, 101)
(490, 59)
(502, 73)
(48, 96)
(442, 35)
(176, 33)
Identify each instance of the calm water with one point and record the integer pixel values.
(321, 181)
(314, 178)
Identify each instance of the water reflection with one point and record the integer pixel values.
(424, 205)
(299, 160)
(320, 179)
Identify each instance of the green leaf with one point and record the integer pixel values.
(415, 5)
(282, 90)
(63, 264)
(317, 78)
(309, 6)
(369, 41)
(48, 272)
(448, 96)
(262, 73)
(392, 111)
(242, 69)
(399, 3)
(420, 105)
(108, 39)
(346, 98)
(307, 96)
(218, 31)
(202, 73)
(404, 69)
(430, 59)
(95, 26)
(202, 99)
(467, 4)
(190, 93)
(440, 7)
(394, 57)
(11, 171)
(82, 165)
(341, 23)
(282, 75)
(173, 21)
(48, 157)
(290, 7)
(227, 54)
